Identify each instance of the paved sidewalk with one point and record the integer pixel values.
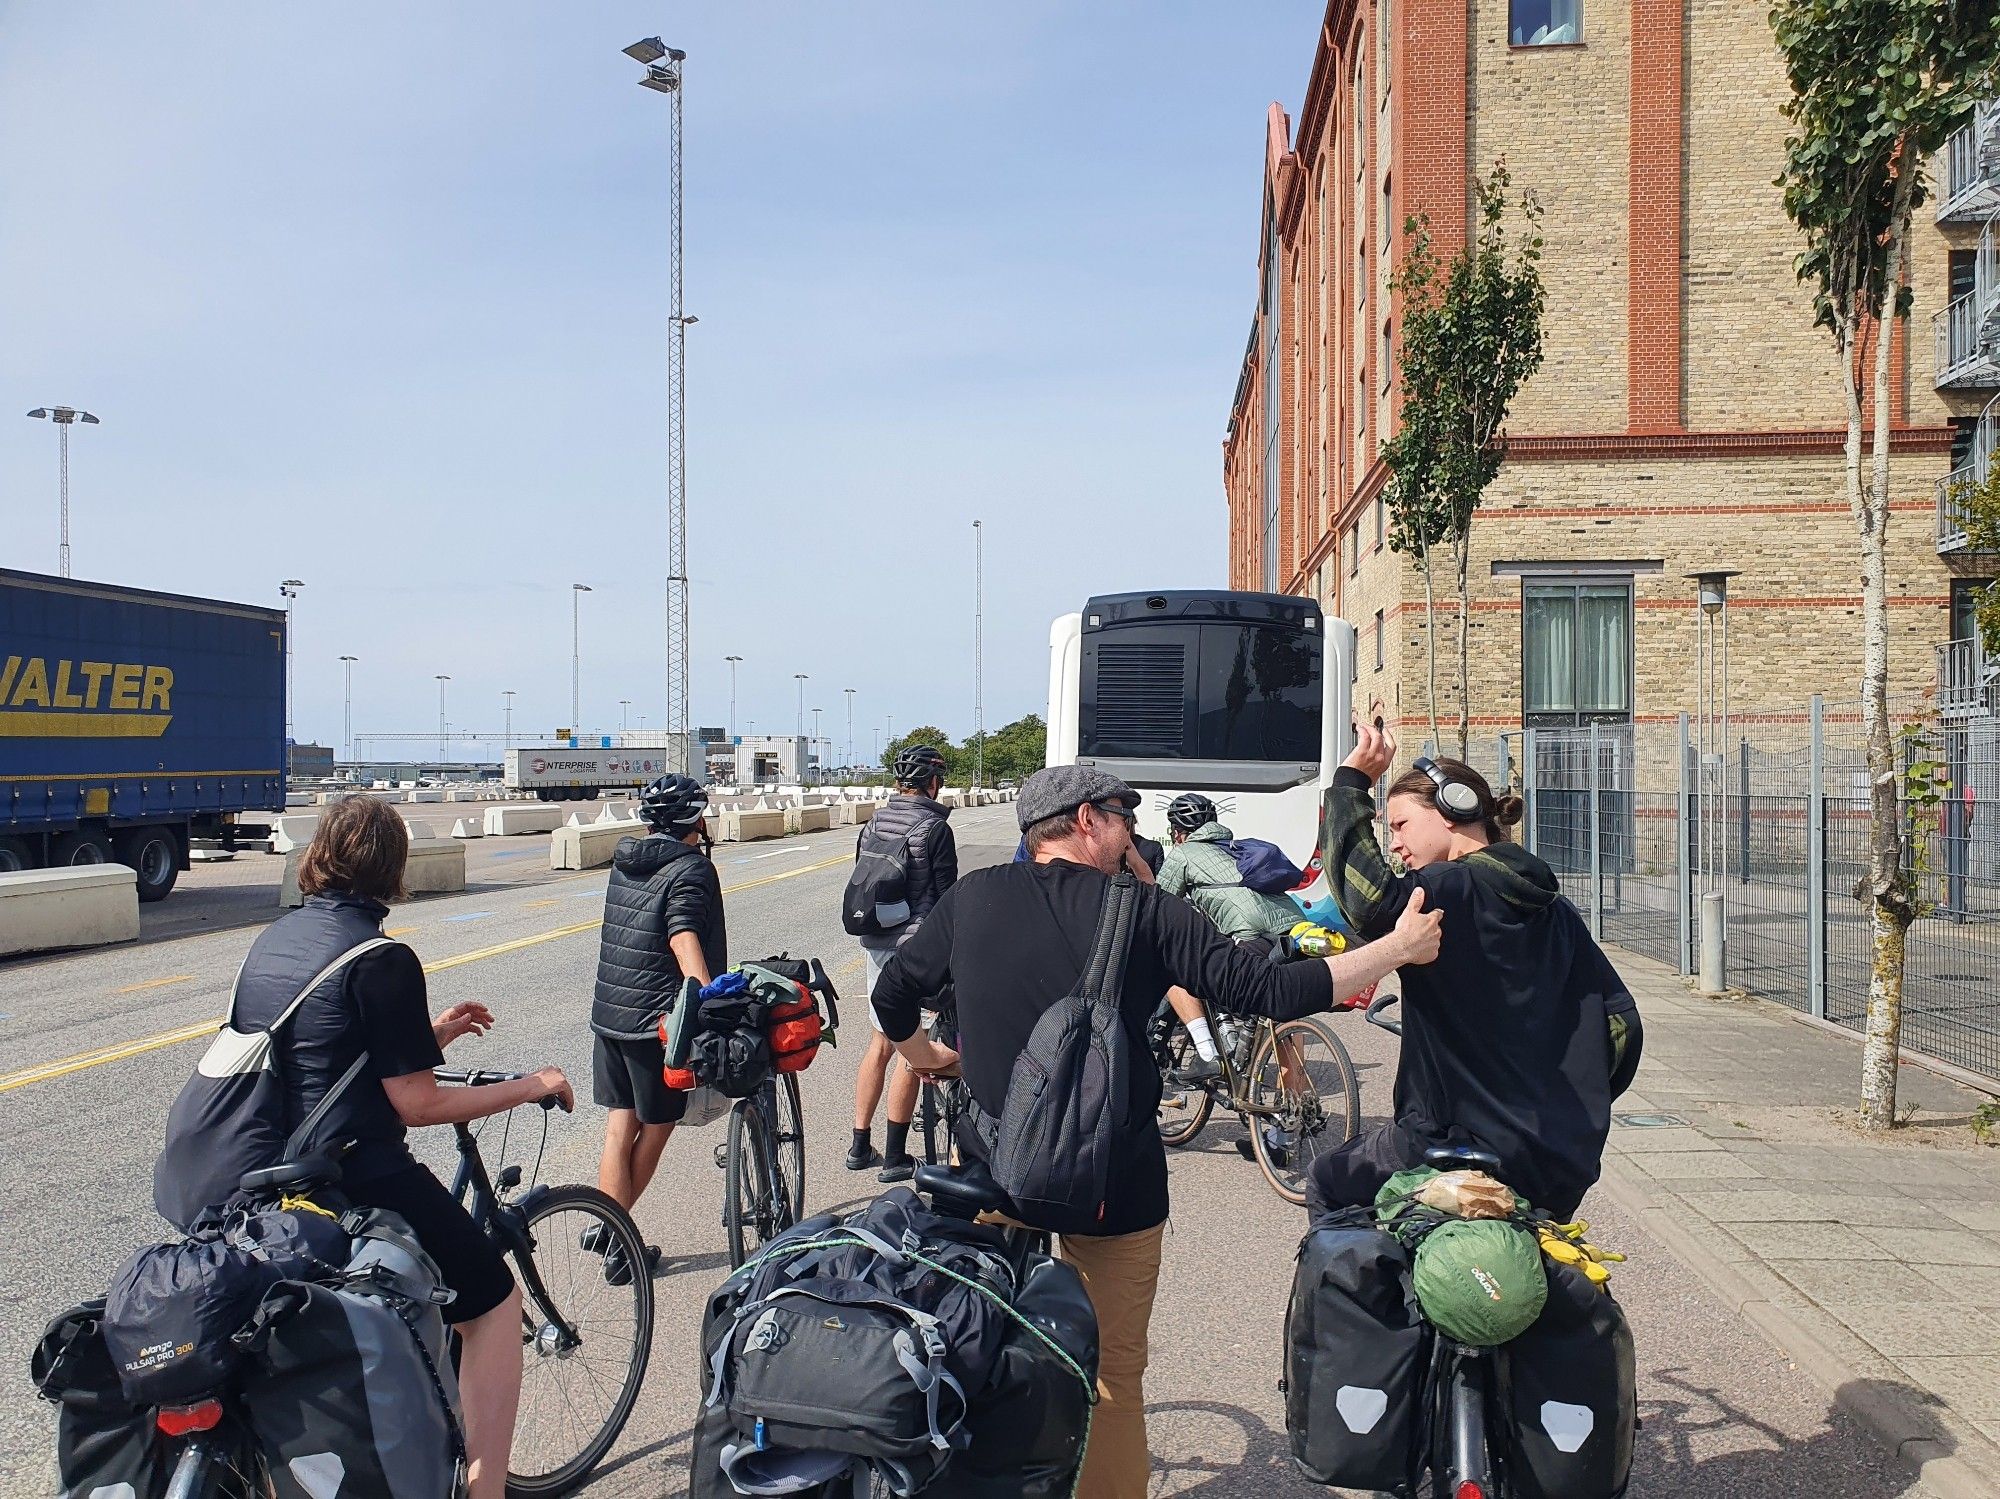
(1876, 1267)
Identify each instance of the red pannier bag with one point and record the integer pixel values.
(795, 1024)
(796, 1030)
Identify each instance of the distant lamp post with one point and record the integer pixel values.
(799, 723)
(624, 714)
(733, 662)
(289, 590)
(978, 654)
(507, 709)
(812, 748)
(1712, 770)
(444, 750)
(64, 417)
(850, 726)
(576, 593)
(347, 711)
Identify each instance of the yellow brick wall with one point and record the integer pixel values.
(1561, 117)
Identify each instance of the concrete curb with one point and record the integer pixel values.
(1964, 1470)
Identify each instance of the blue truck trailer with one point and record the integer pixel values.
(132, 722)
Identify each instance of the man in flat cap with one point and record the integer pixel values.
(1014, 939)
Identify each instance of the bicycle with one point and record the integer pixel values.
(764, 1165)
(560, 1240)
(1294, 1078)
(941, 1102)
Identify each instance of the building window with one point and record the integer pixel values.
(1576, 653)
(1965, 594)
(1354, 549)
(1381, 652)
(1545, 23)
(1964, 273)
(1381, 522)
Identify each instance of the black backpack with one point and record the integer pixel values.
(878, 888)
(230, 1116)
(1064, 1126)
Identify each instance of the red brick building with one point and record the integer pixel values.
(1687, 415)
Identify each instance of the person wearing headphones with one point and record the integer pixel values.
(1517, 1039)
(663, 923)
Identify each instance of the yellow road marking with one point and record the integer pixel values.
(179, 978)
(64, 1066)
(397, 931)
(534, 903)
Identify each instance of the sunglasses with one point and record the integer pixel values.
(1114, 810)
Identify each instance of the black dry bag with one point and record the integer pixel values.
(1570, 1395)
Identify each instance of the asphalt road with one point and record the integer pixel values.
(92, 1062)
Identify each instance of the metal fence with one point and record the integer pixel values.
(1615, 812)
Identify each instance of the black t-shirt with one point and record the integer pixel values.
(380, 1006)
(1015, 939)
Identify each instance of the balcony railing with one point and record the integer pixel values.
(1969, 168)
(1965, 678)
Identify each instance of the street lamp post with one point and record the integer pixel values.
(64, 417)
(507, 709)
(978, 654)
(813, 747)
(347, 711)
(850, 726)
(799, 723)
(624, 714)
(444, 749)
(732, 660)
(1712, 772)
(663, 75)
(576, 593)
(289, 589)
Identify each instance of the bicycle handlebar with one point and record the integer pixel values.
(1377, 1013)
(478, 1077)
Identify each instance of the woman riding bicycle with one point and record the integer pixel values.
(1520, 1035)
(375, 1013)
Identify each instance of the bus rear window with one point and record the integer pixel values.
(1202, 691)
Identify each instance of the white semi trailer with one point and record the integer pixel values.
(559, 773)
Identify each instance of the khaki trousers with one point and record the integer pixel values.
(1121, 1273)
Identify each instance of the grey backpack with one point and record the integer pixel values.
(1063, 1128)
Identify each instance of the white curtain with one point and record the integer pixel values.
(1604, 622)
(1548, 667)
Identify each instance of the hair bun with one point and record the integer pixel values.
(1507, 809)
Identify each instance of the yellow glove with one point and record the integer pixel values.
(1595, 1273)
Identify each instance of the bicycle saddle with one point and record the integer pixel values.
(316, 1168)
(1462, 1158)
(961, 1192)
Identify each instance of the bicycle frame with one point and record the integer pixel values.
(507, 1225)
(1462, 1450)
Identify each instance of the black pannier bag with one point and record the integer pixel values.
(1028, 1423)
(173, 1313)
(1570, 1395)
(229, 1118)
(1356, 1352)
(105, 1442)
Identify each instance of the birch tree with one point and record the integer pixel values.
(1877, 86)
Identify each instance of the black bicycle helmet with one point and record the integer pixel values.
(918, 765)
(1190, 810)
(673, 804)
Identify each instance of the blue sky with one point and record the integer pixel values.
(379, 303)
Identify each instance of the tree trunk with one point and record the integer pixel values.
(1431, 641)
(1889, 907)
(1462, 554)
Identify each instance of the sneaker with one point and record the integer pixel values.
(595, 1239)
(1195, 1071)
(618, 1273)
(901, 1169)
(863, 1160)
(1275, 1142)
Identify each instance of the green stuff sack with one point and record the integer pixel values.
(1398, 1194)
(1480, 1281)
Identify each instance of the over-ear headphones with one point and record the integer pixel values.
(1458, 801)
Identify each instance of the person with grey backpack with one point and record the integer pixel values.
(905, 858)
(1059, 963)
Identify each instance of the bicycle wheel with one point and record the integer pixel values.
(1184, 1110)
(753, 1213)
(789, 1124)
(585, 1343)
(1319, 1110)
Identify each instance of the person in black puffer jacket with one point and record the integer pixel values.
(663, 924)
(914, 821)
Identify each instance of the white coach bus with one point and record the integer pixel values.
(1245, 697)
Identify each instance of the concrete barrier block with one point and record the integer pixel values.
(292, 830)
(467, 794)
(853, 814)
(590, 845)
(522, 817)
(808, 819)
(83, 905)
(618, 812)
(577, 820)
(749, 826)
(435, 867)
(420, 829)
(469, 827)
(427, 794)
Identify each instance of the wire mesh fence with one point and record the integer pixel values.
(1776, 824)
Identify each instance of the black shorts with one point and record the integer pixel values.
(470, 1263)
(628, 1075)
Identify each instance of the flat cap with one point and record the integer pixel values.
(1063, 788)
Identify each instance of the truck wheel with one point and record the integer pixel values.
(80, 848)
(155, 854)
(14, 856)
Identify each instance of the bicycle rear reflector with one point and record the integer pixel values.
(181, 1420)
(1469, 1490)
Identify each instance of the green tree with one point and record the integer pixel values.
(1471, 335)
(1877, 86)
(1018, 750)
(1978, 509)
